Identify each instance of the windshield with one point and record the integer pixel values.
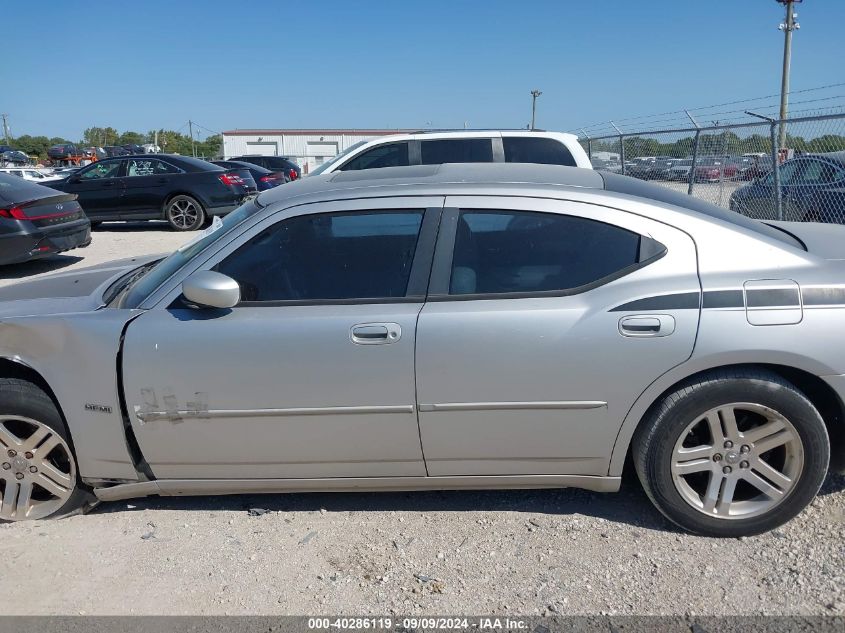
(135, 288)
(335, 159)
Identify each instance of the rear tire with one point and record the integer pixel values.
(38, 474)
(184, 213)
(732, 453)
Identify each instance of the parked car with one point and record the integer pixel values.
(761, 166)
(150, 148)
(36, 221)
(273, 163)
(606, 165)
(264, 178)
(30, 173)
(134, 148)
(63, 151)
(812, 190)
(715, 169)
(482, 146)
(660, 169)
(116, 150)
(680, 169)
(392, 331)
(639, 167)
(183, 190)
(14, 157)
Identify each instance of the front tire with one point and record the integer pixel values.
(184, 213)
(732, 453)
(38, 474)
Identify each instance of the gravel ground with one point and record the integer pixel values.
(520, 552)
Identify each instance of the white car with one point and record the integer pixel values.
(470, 146)
(28, 173)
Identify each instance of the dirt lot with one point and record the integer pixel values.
(522, 552)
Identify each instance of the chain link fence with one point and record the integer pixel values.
(791, 169)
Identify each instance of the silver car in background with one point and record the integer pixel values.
(448, 326)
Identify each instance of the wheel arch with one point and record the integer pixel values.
(818, 392)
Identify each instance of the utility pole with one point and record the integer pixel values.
(191, 130)
(787, 27)
(534, 95)
(5, 128)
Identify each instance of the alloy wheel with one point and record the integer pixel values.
(737, 461)
(184, 213)
(37, 469)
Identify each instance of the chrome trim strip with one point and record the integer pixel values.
(150, 416)
(512, 406)
(179, 487)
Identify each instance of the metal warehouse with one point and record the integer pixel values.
(309, 148)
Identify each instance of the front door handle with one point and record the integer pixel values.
(647, 325)
(375, 333)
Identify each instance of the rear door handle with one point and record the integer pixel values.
(654, 325)
(375, 333)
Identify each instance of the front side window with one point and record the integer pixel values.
(458, 150)
(522, 251)
(388, 155)
(818, 172)
(545, 151)
(789, 173)
(106, 169)
(351, 255)
(148, 167)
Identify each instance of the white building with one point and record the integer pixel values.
(308, 148)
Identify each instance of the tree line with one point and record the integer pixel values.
(170, 141)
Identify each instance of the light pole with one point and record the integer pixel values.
(787, 27)
(534, 95)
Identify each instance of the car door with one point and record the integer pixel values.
(817, 194)
(312, 374)
(545, 321)
(100, 188)
(148, 181)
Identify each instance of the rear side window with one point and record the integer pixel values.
(463, 150)
(388, 155)
(524, 252)
(361, 255)
(546, 151)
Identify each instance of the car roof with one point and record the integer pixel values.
(498, 178)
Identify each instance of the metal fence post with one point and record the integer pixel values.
(621, 146)
(691, 177)
(589, 144)
(776, 170)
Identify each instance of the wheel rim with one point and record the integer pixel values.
(183, 213)
(737, 461)
(37, 470)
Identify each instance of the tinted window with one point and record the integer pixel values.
(517, 251)
(389, 155)
(148, 167)
(634, 187)
(818, 172)
(463, 150)
(362, 255)
(546, 151)
(104, 169)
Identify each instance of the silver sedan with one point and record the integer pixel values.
(454, 326)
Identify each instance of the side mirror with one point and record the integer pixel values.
(209, 289)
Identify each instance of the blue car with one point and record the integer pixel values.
(812, 190)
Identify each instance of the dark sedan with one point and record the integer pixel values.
(184, 191)
(264, 178)
(812, 190)
(273, 163)
(36, 221)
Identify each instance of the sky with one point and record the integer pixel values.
(396, 64)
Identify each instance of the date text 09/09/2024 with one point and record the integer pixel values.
(421, 623)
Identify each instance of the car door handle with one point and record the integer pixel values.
(375, 333)
(647, 325)
(108, 183)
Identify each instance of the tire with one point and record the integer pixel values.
(711, 485)
(29, 419)
(184, 213)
